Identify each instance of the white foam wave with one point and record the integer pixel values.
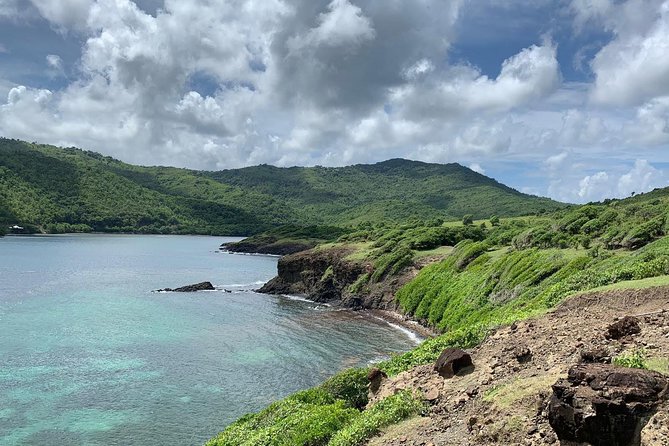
(415, 337)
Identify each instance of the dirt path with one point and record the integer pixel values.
(503, 400)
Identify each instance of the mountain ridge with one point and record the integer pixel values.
(54, 189)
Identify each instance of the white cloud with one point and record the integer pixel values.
(343, 24)
(634, 66)
(64, 14)
(641, 177)
(651, 126)
(476, 167)
(555, 162)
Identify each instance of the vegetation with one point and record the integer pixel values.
(508, 270)
(635, 359)
(71, 190)
(326, 415)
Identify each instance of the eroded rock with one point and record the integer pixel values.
(627, 326)
(602, 404)
(596, 355)
(453, 361)
(375, 377)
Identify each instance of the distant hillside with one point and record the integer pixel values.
(66, 190)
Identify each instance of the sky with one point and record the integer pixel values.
(562, 98)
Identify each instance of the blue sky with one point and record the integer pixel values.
(564, 98)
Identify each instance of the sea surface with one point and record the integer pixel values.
(89, 355)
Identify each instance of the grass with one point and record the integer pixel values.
(658, 364)
(648, 282)
(635, 359)
(507, 395)
(441, 251)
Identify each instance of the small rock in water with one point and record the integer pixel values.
(202, 286)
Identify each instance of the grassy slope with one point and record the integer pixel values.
(521, 268)
(74, 190)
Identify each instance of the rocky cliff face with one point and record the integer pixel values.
(328, 276)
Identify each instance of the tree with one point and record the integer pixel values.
(468, 219)
(494, 220)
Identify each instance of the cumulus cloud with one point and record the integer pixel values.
(569, 186)
(476, 167)
(632, 67)
(218, 84)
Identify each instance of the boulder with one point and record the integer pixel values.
(453, 361)
(627, 326)
(603, 404)
(202, 286)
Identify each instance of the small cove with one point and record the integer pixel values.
(89, 355)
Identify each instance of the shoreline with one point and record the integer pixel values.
(393, 318)
(403, 322)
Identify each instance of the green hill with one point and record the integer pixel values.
(71, 190)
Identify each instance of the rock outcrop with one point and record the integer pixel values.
(602, 404)
(202, 286)
(269, 247)
(321, 276)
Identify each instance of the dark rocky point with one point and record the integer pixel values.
(602, 404)
(453, 361)
(202, 286)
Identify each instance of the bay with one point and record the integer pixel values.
(89, 355)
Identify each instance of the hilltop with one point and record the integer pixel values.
(54, 189)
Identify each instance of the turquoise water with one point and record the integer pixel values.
(89, 355)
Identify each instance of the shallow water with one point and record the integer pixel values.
(89, 355)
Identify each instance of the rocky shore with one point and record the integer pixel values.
(328, 276)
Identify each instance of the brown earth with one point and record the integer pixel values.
(504, 399)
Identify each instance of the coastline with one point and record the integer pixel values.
(398, 319)
(413, 329)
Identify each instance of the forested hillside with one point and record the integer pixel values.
(53, 189)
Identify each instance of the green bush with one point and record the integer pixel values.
(307, 418)
(635, 359)
(388, 411)
(349, 386)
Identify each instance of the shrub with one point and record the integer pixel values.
(388, 411)
(349, 386)
(468, 219)
(306, 418)
(635, 359)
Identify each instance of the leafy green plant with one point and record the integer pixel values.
(635, 359)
